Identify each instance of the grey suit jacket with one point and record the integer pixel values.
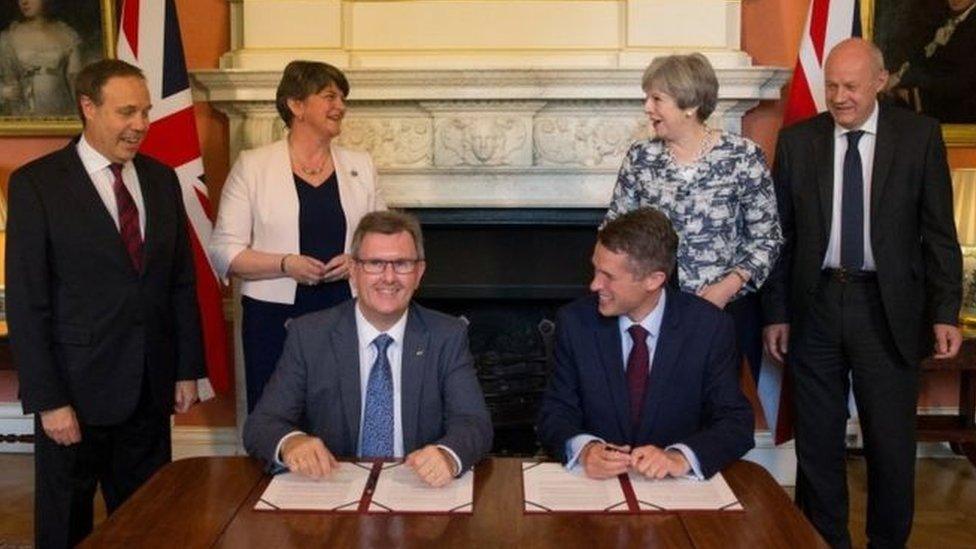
(913, 237)
(316, 387)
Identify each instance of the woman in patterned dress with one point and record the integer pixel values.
(715, 188)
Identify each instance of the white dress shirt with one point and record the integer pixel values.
(367, 356)
(101, 175)
(652, 324)
(866, 147)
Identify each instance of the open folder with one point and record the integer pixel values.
(366, 487)
(550, 488)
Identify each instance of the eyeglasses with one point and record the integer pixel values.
(378, 266)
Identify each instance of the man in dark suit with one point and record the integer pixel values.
(102, 306)
(375, 377)
(645, 377)
(869, 276)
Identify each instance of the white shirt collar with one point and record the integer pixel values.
(651, 322)
(869, 126)
(367, 332)
(93, 160)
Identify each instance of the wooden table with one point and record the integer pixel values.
(208, 502)
(958, 429)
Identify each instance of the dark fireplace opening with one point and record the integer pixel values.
(506, 272)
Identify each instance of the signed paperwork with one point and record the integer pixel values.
(367, 488)
(548, 487)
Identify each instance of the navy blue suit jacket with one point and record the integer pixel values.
(693, 395)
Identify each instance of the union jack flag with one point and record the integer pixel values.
(149, 38)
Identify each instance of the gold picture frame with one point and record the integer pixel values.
(955, 135)
(86, 30)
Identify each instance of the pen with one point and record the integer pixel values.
(609, 448)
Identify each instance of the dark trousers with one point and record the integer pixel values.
(746, 313)
(118, 457)
(845, 333)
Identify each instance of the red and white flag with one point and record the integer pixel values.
(149, 38)
(828, 22)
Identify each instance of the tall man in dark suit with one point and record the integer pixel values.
(102, 306)
(375, 377)
(646, 377)
(869, 276)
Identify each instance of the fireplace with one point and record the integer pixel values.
(506, 272)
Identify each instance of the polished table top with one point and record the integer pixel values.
(208, 502)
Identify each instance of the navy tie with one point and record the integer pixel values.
(852, 207)
(378, 415)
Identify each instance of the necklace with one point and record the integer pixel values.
(308, 170)
(706, 142)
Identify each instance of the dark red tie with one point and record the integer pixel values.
(128, 218)
(638, 364)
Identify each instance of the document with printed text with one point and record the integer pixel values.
(340, 492)
(399, 489)
(550, 487)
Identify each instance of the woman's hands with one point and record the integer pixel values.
(310, 271)
(724, 290)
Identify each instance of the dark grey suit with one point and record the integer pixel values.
(316, 387)
(874, 330)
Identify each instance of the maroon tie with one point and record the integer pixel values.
(128, 218)
(638, 364)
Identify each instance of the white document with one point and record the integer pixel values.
(550, 487)
(682, 494)
(400, 490)
(340, 492)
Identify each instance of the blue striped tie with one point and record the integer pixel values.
(378, 415)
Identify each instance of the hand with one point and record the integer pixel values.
(304, 269)
(604, 460)
(776, 340)
(61, 425)
(722, 291)
(185, 396)
(337, 268)
(308, 456)
(948, 339)
(433, 465)
(653, 462)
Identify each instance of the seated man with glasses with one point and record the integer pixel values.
(375, 377)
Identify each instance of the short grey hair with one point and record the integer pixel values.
(690, 79)
(388, 222)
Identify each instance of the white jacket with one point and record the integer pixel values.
(259, 210)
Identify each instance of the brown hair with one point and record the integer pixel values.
(388, 222)
(646, 236)
(689, 79)
(92, 78)
(301, 79)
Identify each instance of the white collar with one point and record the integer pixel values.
(367, 332)
(869, 126)
(93, 160)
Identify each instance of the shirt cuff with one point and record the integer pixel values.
(454, 456)
(574, 446)
(277, 454)
(689, 455)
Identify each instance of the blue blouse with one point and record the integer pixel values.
(722, 206)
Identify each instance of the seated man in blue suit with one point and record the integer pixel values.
(375, 377)
(646, 377)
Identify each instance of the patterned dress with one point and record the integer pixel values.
(722, 206)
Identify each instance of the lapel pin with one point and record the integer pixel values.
(420, 352)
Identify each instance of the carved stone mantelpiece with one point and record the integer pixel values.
(485, 138)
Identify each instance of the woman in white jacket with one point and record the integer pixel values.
(287, 214)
